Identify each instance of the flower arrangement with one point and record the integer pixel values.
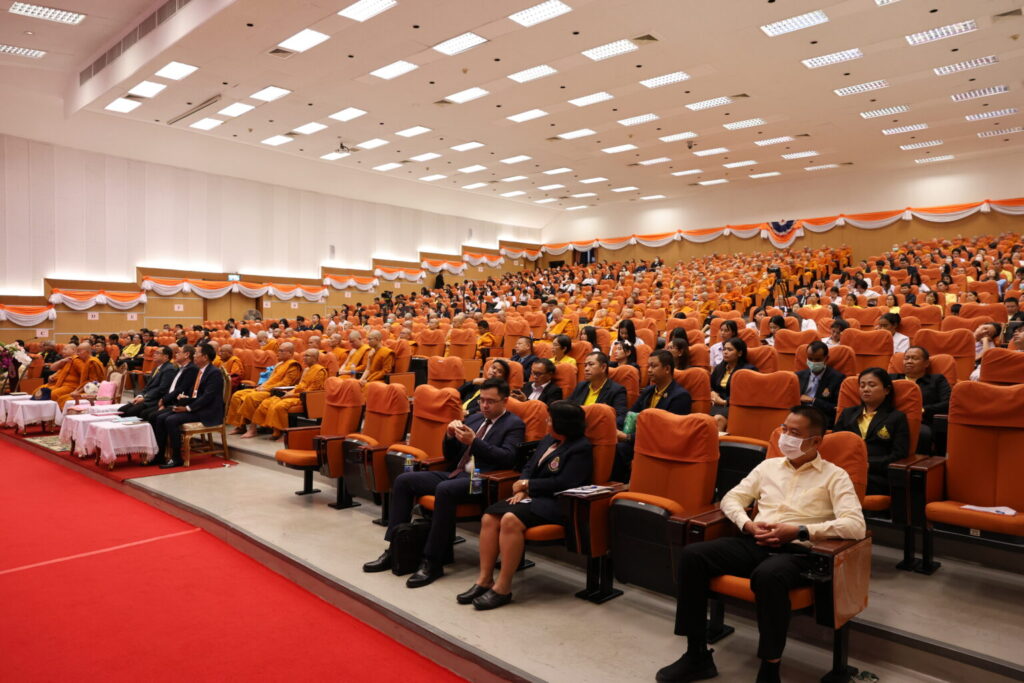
(13, 361)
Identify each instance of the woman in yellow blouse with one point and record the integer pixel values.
(891, 304)
(561, 346)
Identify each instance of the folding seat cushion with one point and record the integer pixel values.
(697, 381)
(872, 348)
(445, 372)
(957, 343)
(1002, 366)
(759, 402)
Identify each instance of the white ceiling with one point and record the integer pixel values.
(719, 44)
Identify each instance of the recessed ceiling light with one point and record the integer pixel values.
(516, 159)
(176, 71)
(454, 46)
(432, 178)
(548, 200)
(996, 133)
(557, 171)
(21, 51)
(466, 146)
(554, 186)
(636, 120)
(147, 89)
(413, 132)
(236, 109)
(394, 69)
(709, 152)
(310, 128)
(366, 9)
(513, 193)
(269, 94)
(740, 164)
(799, 155)
(276, 140)
(573, 134)
(593, 98)
(513, 179)
(708, 104)
(692, 171)
(921, 145)
(466, 95)
(981, 92)
(667, 79)
(346, 114)
(206, 124)
(653, 196)
(619, 47)
(540, 13)
(527, 115)
(619, 148)
(928, 160)
(796, 23)
(628, 188)
(749, 123)
(532, 73)
(390, 166)
(581, 195)
(678, 136)
(861, 87)
(475, 168)
(474, 186)
(334, 156)
(992, 114)
(372, 144)
(773, 141)
(122, 105)
(769, 174)
(304, 40)
(575, 208)
(822, 167)
(587, 181)
(717, 181)
(887, 111)
(834, 58)
(904, 129)
(942, 32)
(48, 13)
(883, 3)
(427, 156)
(652, 162)
(965, 66)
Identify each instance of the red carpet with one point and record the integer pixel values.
(183, 607)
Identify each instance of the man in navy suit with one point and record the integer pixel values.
(487, 441)
(199, 400)
(819, 383)
(523, 354)
(145, 403)
(543, 387)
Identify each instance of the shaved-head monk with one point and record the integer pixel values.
(245, 402)
(273, 412)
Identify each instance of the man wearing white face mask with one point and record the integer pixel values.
(800, 498)
(819, 383)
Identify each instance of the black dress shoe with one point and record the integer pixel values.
(471, 595)
(688, 668)
(151, 463)
(427, 573)
(492, 600)
(381, 564)
(170, 464)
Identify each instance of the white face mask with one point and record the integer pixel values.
(791, 446)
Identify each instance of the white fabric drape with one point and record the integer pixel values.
(97, 299)
(656, 240)
(447, 266)
(26, 319)
(493, 260)
(399, 273)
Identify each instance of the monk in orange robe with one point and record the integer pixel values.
(230, 362)
(87, 369)
(273, 412)
(355, 363)
(245, 402)
(380, 360)
(62, 368)
(561, 324)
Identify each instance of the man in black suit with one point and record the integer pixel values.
(145, 403)
(819, 383)
(487, 441)
(522, 353)
(201, 400)
(1013, 315)
(908, 296)
(598, 388)
(543, 387)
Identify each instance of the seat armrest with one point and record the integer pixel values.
(899, 488)
(314, 403)
(841, 572)
(927, 484)
(709, 526)
(301, 438)
(586, 528)
(499, 476)
(498, 484)
(833, 546)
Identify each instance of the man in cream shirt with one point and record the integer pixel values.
(800, 498)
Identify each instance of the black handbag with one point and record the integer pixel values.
(407, 543)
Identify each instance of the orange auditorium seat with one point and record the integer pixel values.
(872, 348)
(387, 412)
(430, 343)
(445, 372)
(629, 377)
(956, 322)
(759, 402)
(956, 343)
(764, 358)
(929, 315)
(700, 357)
(515, 381)
(565, 377)
(997, 312)
(697, 381)
(1002, 366)
(462, 344)
(786, 344)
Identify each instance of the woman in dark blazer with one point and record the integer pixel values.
(563, 460)
(883, 427)
(935, 392)
(734, 357)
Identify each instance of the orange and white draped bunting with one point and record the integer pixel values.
(78, 300)
(363, 284)
(27, 316)
(437, 265)
(475, 259)
(393, 273)
(213, 289)
(516, 253)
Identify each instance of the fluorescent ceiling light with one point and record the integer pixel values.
(883, 3)
(667, 79)
(653, 196)
(652, 162)
(833, 58)
(427, 156)
(310, 128)
(334, 156)
(928, 160)
(992, 114)
(619, 47)
(709, 152)
(740, 164)
(692, 171)
(554, 186)
(147, 89)
(513, 178)
(269, 94)
(516, 159)
(593, 98)
(432, 178)
(475, 168)
(548, 200)
(587, 181)
(366, 9)
(372, 144)
(346, 114)
(206, 124)
(557, 171)
(532, 73)
(390, 166)
(921, 145)
(513, 193)
(236, 109)
(466, 146)
(454, 46)
(886, 111)
(799, 155)
(527, 115)
(176, 71)
(21, 51)
(904, 129)
(474, 186)
(122, 105)
(304, 40)
(773, 141)
(861, 87)
(708, 104)
(822, 167)
(678, 136)
(981, 92)
(537, 14)
(466, 95)
(717, 181)
(581, 195)
(795, 23)
(997, 133)
(394, 69)
(276, 140)
(749, 123)
(413, 132)
(575, 208)
(573, 134)
(48, 13)
(636, 120)
(619, 148)
(942, 32)
(628, 188)
(965, 66)
(769, 174)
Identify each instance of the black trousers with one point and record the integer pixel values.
(772, 573)
(167, 425)
(144, 410)
(448, 493)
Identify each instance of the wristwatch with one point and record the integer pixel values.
(802, 533)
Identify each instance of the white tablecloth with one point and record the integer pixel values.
(114, 438)
(83, 407)
(7, 398)
(74, 427)
(27, 412)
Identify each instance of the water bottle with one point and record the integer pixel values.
(476, 484)
(410, 463)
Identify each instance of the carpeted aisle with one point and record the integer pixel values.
(95, 585)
